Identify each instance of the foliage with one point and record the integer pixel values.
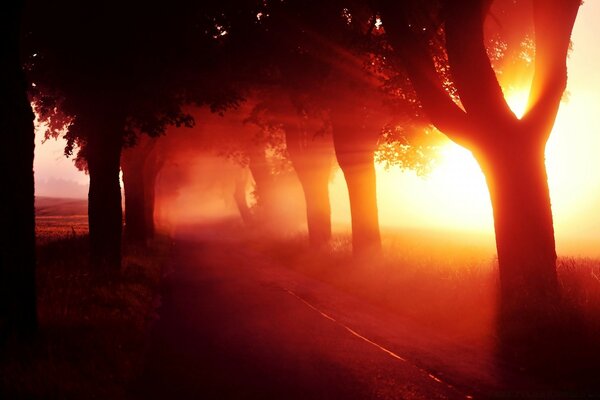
(145, 67)
(409, 151)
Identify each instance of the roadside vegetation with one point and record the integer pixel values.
(450, 287)
(92, 328)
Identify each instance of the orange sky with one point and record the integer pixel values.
(454, 195)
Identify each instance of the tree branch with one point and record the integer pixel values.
(472, 72)
(553, 22)
(412, 53)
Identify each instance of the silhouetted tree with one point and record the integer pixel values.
(304, 50)
(308, 146)
(140, 165)
(510, 150)
(133, 77)
(311, 153)
(17, 238)
(324, 54)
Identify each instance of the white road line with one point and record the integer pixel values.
(387, 351)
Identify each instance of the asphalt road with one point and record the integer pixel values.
(234, 326)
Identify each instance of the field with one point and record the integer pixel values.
(60, 218)
(92, 331)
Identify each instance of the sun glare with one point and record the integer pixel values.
(453, 197)
(517, 101)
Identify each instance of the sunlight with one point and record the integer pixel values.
(517, 100)
(453, 197)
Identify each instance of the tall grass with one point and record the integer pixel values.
(455, 292)
(453, 289)
(92, 330)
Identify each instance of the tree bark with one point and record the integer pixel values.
(104, 199)
(355, 140)
(18, 313)
(359, 172)
(152, 167)
(315, 184)
(135, 199)
(518, 184)
(311, 159)
(239, 196)
(263, 178)
(139, 177)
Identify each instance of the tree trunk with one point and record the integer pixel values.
(104, 200)
(355, 139)
(153, 166)
(139, 178)
(239, 196)
(133, 189)
(518, 185)
(359, 172)
(312, 163)
(315, 184)
(18, 312)
(263, 179)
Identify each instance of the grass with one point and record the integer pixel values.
(92, 332)
(452, 288)
(426, 284)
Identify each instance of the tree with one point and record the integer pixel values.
(18, 313)
(308, 146)
(323, 53)
(133, 77)
(140, 165)
(312, 55)
(510, 150)
(310, 151)
(356, 126)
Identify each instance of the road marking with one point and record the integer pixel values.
(367, 340)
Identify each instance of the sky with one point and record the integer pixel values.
(454, 196)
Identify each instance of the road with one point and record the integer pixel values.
(233, 325)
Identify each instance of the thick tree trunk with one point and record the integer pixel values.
(135, 199)
(239, 196)
(315, 184)
(17, 238)
(355, 139)
(359, 172)
(104, 200)
(312, 163)
(153, 166)
(518, 186)
(139, 177)
(263, 179)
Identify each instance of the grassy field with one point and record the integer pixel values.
(59, 218)
(92, 332)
